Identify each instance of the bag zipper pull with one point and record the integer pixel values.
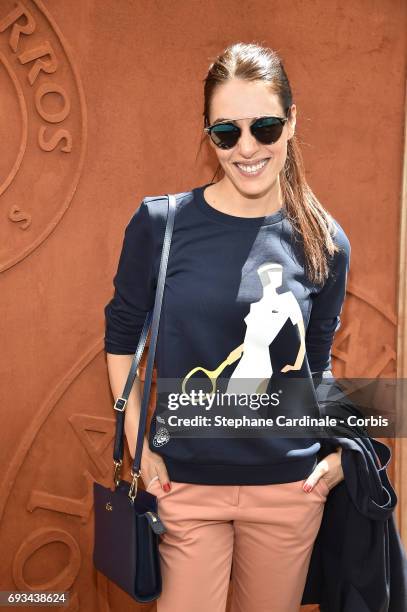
(156, 523)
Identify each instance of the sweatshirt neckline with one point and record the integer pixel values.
(225, 218)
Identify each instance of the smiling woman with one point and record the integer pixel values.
(255, 285)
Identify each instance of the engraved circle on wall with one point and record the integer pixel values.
(43, 126)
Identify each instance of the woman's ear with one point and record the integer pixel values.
(292, 121)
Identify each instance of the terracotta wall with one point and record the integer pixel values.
(101, 104)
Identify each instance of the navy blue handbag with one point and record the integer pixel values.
(127, 526)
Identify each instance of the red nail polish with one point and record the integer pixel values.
(167, 487)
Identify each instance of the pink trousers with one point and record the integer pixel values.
(260, 536)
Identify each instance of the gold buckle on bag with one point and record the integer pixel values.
(116, 474)
(133, 487)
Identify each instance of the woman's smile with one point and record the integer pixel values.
(251, 169)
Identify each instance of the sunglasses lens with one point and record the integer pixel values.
(225, 135)
(267, 130)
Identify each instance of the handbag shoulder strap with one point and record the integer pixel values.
(153, 319)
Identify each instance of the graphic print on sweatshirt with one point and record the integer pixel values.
(212, 306)
(264, 322)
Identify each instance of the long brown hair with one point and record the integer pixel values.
(310, 221)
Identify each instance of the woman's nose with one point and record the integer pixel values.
(248, 145)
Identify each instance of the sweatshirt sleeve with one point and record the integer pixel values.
(134, 290)
(327, 303)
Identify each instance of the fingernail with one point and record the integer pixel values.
(307, 487)
(167, 487)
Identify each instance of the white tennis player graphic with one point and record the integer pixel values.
(264, 321)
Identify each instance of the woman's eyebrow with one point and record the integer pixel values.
(221, 119)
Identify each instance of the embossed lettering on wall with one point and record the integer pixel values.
(43, 128)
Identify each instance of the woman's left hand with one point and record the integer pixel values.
(329, 468)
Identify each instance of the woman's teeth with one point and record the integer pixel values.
(252, 169)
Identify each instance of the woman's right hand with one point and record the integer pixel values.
(152, 465)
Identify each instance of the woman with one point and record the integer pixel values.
(256, 241)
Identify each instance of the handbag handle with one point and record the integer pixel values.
(153, 318)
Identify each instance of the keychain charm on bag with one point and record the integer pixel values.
(127, 523)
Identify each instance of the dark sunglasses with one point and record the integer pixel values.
(265, 129)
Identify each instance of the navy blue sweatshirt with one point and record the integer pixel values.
(235, 294)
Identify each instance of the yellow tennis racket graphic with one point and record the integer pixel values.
(213, 374)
